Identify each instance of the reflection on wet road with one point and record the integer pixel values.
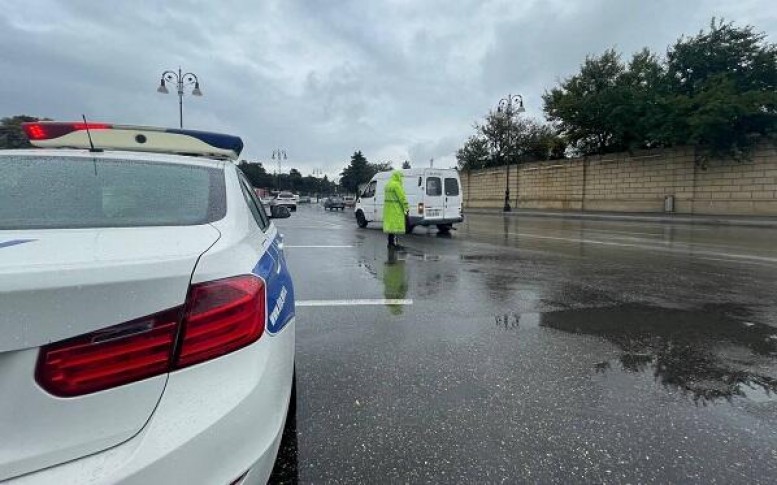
(534, 350)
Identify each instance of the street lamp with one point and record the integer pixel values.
(279, 154)
(181, 80)
(506, 107)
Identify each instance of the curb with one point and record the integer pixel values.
(766, 222)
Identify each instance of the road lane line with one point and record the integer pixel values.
(317, 247)
(353, 302)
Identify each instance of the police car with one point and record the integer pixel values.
(146, 310)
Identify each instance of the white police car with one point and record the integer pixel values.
(146, 311)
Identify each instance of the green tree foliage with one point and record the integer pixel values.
(716, 90)
(608, 106)
(508, 138)
(357, 172)
(475, 153)
(723, 90)
(294, 181)
(11, 133)
(256, 174)
(360, 171)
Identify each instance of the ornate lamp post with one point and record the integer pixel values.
(509, 106)
(181, 80)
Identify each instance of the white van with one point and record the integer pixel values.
(434, 196)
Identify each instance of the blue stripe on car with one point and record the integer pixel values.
(14, 242)
(218, 140)
(280, 290)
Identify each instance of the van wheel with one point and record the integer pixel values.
(361, 221)
(444, 228)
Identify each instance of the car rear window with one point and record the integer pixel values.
(70, 192)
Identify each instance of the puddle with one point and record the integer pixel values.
(712, 353)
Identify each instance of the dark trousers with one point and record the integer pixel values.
(392, 239)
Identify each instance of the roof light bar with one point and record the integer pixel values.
(58, 134)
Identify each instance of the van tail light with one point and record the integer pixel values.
(421, 208)
(219, 317)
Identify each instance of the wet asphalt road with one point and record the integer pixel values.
(533, 351)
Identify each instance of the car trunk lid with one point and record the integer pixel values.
(58, 284)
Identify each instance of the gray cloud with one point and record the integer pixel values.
(397, 79)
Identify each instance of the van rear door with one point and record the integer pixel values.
(452, 209)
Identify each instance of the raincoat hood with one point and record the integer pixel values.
(396, 176)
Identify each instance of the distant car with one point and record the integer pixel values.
(304, 199)
(285, 199)
(334, 202)
(146, 310)
(349, 200)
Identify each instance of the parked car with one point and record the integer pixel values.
(334, 202)
(304, 199)
(349, 200)
(434, 197)
(146, 314)
(285, 199)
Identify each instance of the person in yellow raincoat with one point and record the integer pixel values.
(394, 208)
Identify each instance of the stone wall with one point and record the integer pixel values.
(633, 182)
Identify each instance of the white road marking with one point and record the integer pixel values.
(377, 301)
(321, 246)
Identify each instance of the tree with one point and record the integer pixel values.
(256, 174)
(11, 133)
(378, 167)
(357, 172)
(474, 154)
(406, 165)
(723, 90)
(582, 106)
(716, 90)
(295, 180)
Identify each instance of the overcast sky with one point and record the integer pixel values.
(398, 80)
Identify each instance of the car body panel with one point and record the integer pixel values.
(157, 430)
(68, 282)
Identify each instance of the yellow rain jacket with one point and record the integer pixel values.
(394, 205)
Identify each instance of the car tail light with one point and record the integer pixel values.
(421, 208)
(109, 357)
(52, 129)
(222, 316)
(219, 317)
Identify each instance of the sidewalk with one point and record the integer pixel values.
(751, 221)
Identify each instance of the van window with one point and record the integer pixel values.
(433, 186)
(369, 191)
(451, 186)
(419, 181)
